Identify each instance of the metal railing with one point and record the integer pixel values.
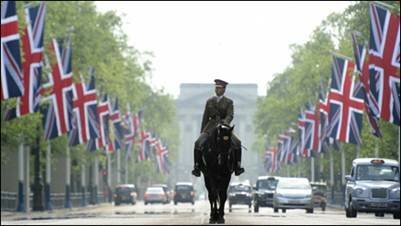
(9, 200)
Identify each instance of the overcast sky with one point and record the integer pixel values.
(240, 42)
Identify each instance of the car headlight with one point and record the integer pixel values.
(395, 193)
(360, 192)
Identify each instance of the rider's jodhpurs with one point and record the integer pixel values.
(199, 145)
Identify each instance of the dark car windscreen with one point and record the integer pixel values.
(124, 190)
(183, 188)
(240, 189)
(377, 172)
(267, 184)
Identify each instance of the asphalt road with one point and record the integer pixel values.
(169, 214)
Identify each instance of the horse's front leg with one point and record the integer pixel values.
(213, 208)
(223, 198)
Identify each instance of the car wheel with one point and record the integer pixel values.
(175, 203)
(146, 203)
(379, 214)
(255, 208)
(117, 203)
(350, 212)
(309, 210)
(230, 209)
(283, 210)
(323, 207)
(396, 215)
(275, 210)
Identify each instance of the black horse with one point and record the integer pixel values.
(217, 167)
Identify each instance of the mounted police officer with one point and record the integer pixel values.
(218, 109)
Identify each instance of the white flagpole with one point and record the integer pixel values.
(20, 206)
(312, 166)
(118, 166)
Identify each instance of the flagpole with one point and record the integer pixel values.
(109, 175)
(20, 206)
(321, 167)
(27, 179)
(48, 204)
(38, 186)
(342, 168)
(83, 185)
(67, 203)
(126, 171)
(96, 177)
(358, 150)
(312, 166)
(331, 175)
(118, 166)
(377, 148)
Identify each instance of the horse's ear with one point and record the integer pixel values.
(232, 128)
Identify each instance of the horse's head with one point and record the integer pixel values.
(223, 135)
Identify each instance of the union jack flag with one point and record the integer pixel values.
(61, 93)
(103, 112)
(324, 120)
(11, 73)
(144, 151)
(301, 129)
(160, 152)
(32, 42)
(346, 102)
(371, 105)
(84, 112)
(294, 153)
(282, 146)
(115, 117)
(129, 133)
(166, 162)
(268, 160)
(275, 165)
(384, 62)
(309, 130)
(313, 118)
(288, 145)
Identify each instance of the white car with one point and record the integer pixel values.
(293, 193)
(155, 195)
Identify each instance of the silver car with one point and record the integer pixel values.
(293, 193)
(373, 187)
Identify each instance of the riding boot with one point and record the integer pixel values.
(197, 157)
(237, 164)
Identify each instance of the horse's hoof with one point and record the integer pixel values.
(221, 221)
(212, 221)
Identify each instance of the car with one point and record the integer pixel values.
(293, 193)
(319, 190)
(239, 193)
(373, 187)
(167, 191)
(125, 193)
(155, 195)
(184, 192)
(264, 190)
